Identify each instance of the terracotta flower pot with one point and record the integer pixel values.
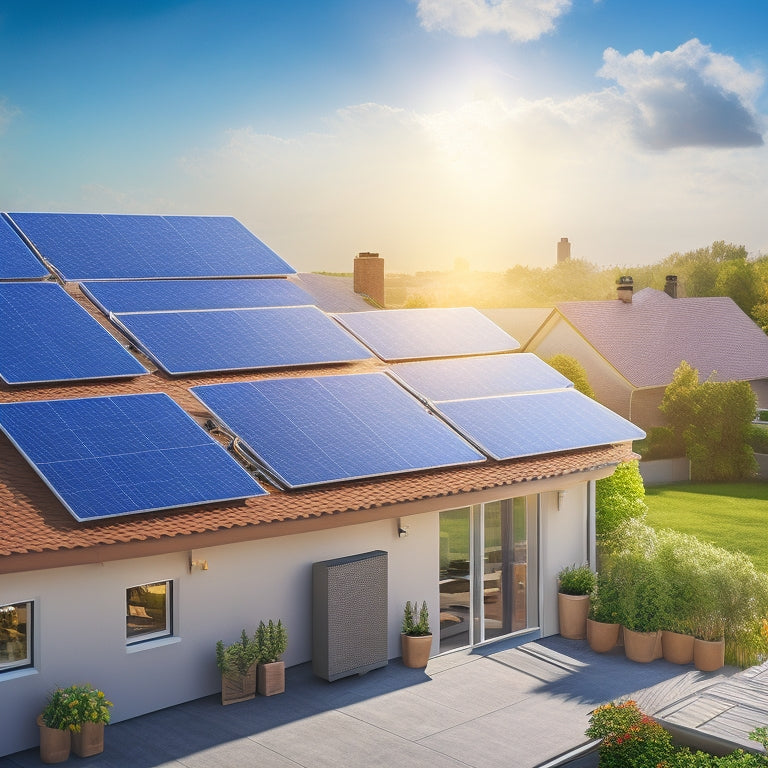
(415, 650)
(271, 678)
(572, 612)
(602, 636)
(677, 647)
(708, 655)
(89, 740)
(642, 647)
(54, 743)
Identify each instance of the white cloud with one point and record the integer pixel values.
(687, 97)
(522, 20)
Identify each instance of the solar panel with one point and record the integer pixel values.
(110, 456)
(412, 334)
(46, 336)
(17, 262)
(118, 247)
(469, 377)
(240, 339)
(513, 426)
(163, 295)
(306, 431)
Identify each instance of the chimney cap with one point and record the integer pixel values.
(671, 278)
(367, 255)
(625, 280)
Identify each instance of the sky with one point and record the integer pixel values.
(424, 130)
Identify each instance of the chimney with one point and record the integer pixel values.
(369, 276)
(670, 287)
(624, 288)
(563, 250)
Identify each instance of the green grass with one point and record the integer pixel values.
(731, 515)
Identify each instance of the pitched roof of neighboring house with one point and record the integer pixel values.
(38, 531)
(521, 323)
(646, 340)
(332, 293)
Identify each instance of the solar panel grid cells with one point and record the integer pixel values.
(45, 335)
(412, 334)
(17, 262)
(324, 429)
(225, 340)
(112, 456)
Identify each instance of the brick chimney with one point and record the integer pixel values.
(563, 250)
(670, 287)
(624, 288)
(369, 276)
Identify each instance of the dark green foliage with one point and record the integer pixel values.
(715, 422)
(758, 438)
(574, 371)
(604, 603)
(660, 443)
(619, 497)
(239, 656)
(271, 641)
(576, 580)
(416, 620)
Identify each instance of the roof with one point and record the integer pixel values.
(647, 339)
(519, 322)
(38, 531)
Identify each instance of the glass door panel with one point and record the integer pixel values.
(455, 581)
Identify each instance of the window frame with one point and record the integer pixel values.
(28, 661)
(152, 634)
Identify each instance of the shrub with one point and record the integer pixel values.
(238, 657)
(577, 580)
(604, 604)
(758, 438)
(416, 620)
(271, 641)
(618, 498)
(574, 371)
(660, 443)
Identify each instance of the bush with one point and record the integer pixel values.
(758, 438)
(271, 641)
(619, 498)
(604, 604)
(576, 580)
(238, 657)
(661, 443)
(416, 620)
(574, 371)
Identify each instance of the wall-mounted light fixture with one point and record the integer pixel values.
(560, 499)
(402, 528)
(197, 565)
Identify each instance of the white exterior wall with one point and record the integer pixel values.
(79, 611)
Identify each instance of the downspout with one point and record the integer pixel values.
(592, 524)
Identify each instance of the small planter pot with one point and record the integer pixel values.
(601, 636)
(236, 687)
(708, 655)
(642, 647)
(89, 740)
(55, 744)
(677, 647)
(572, 611)
(271, 678)
(415, 650)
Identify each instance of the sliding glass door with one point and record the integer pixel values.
(488, 569)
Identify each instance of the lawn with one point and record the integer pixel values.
(732, 515)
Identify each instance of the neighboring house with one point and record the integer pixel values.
(176, 454)
(520, 323)
(631, 346)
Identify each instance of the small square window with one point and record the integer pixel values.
(15, 636)
(148, 611)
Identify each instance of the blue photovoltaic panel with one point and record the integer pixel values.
(513, 426)
(45, 335)
(413, 334)
(110, 456)
(470, 377)
(17, 262)
(164, 295)
(82, 246)
(240, 339)
(308, 431)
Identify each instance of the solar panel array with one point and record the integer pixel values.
(17, 262)
(240, 339)
(458, 378)
(163, 295)
(46, 336)
(514, 426)
(307, 431)
(109, 456)
(414, 334)
(119, 247)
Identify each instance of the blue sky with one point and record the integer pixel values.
(425, 130)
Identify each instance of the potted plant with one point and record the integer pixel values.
(271, 642)
(416, 636)
(575, 584)
(237, 664)
(603, 618)
(56, 723)
(91, 710)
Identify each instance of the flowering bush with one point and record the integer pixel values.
(69, 708)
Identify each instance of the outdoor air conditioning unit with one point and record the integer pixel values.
(349, 615)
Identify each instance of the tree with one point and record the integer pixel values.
(714, 419)
(573, 370)
(739, 280)
(618, 498)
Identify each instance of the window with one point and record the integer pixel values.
(15, 636)
(148, 611)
